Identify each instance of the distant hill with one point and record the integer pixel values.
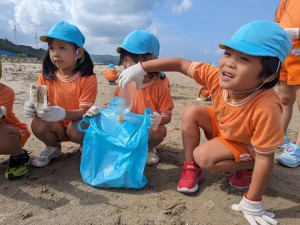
(28, 51)
(21, 49)
(105, 59)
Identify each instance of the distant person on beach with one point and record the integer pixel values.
(154, 93)
(13, 135)
(111, 74)
(288, 17)
(242, 126)
(72, 89)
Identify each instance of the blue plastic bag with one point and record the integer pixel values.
(114, 153)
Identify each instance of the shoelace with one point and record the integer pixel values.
(45, 153)
(189, 172)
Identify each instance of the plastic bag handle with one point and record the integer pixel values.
(84, 119)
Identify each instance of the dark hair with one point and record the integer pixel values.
(84, 65)
(270, 65)
(140, 57)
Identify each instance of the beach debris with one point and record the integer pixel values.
(38, 96)
(121, 118)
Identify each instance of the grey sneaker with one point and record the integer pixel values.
(153, 158)
(46, 156)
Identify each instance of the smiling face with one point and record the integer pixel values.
(239, 71)
(63, 55)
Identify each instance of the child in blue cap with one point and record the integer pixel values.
(141, 46)
(71, 91)
(243, 126)
(111, 74)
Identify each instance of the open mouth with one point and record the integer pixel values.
(227, 74)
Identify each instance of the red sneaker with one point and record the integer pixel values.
(190, 176)
(241, 179)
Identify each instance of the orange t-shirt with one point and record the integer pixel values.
(7, 98)
(72, 93)
(287, 14)
(155, 95)
(254, 120)
(111, 74)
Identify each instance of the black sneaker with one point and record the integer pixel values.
(17, 166)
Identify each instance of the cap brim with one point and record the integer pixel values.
(133, 50)
(119, 49)
(44, 38)
(246, 48)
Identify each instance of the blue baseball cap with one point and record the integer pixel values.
(260, 38)
(111, 66)
(66, 32)
(140, 42)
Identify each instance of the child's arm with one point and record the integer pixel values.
(250, 205)
(165, 119)
(75, 114)
(262, 173)
(136, 72)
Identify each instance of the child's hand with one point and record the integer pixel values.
(133, 73)
(2, 112)
(254, 212)
(155, 119)
(29, 110)
(52, 113)
(93, 111)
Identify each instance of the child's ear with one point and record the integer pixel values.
(80, 52)
(152, 57)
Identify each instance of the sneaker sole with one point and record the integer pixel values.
(11, 176)
(191, 190)
(237, 187)
(287, 164)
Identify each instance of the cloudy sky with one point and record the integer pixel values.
(186, 28)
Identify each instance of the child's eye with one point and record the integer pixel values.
(226, 53)
(244, 59)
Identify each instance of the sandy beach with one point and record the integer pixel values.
(57, 195)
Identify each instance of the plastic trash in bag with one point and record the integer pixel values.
(114, 154)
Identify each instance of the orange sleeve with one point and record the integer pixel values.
(204, 74)
(41, 80)
(268, 131)
(7, 98)
(89, 92)
(164, 99)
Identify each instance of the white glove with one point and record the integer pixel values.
(293, 32)
(254, 212)
(155, 119)
(133, 73)
(29, 110)
(2, 112)
(93, 111)
(52, 113)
